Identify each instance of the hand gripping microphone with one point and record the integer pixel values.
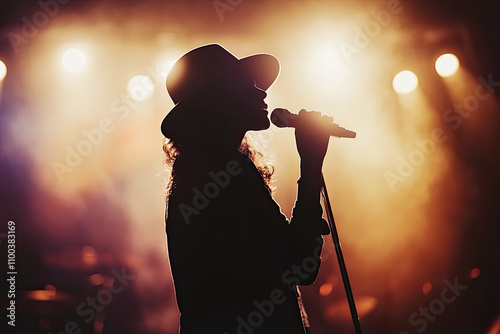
(282, 118)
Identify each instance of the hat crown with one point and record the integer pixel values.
(202, 69)
(198, 69)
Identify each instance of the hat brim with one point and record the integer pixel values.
(264, 69)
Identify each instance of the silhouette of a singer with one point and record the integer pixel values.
(235, 258)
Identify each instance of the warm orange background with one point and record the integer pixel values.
(415, 195)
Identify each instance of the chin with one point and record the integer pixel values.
(261, 125)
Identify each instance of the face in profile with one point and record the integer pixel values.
(243, 104)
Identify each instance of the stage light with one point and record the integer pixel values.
(96, 279)
(89, 257)
(98, 326)
(3, 70)
(474, 273)
(74, 60)
(140, 88)
(447, 64)
(329, 61)
(166, 67)
(325, 289)
(405, 82)
(426, 288)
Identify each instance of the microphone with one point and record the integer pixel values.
(282, 118)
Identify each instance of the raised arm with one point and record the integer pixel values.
(307, 222)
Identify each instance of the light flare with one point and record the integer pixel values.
(447, 65)
(140, 88)
(74, 60)
(405, 82)
(3, 70)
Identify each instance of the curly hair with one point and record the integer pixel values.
(172, 150)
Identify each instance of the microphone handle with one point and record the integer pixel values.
(283, 118)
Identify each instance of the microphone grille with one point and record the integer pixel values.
(281, 117)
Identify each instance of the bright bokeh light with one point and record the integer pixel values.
(405, 82)
(325, 289)
(89, 256)
(96, 279)
(426, 288)
(74, 60)
(447, 64)
(3, 70)
(140, 88)
(166, 67)
(474, 273)
(329, 61)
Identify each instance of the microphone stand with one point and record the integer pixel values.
(340, 257)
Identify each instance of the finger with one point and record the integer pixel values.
(305, 114)
(327, 118)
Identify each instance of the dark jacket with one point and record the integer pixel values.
(235, 258)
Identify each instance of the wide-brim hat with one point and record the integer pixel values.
(200, 69)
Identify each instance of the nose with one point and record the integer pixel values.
(262, 94)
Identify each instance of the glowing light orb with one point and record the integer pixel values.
(405, 82)
(140, 88)
(474, 273)
(426, 288)
(447, 64)
(329, 61)
(3, 70)
(89, 257)
(74, 60)
(325, 289)
(96, 279)
(165, 68)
